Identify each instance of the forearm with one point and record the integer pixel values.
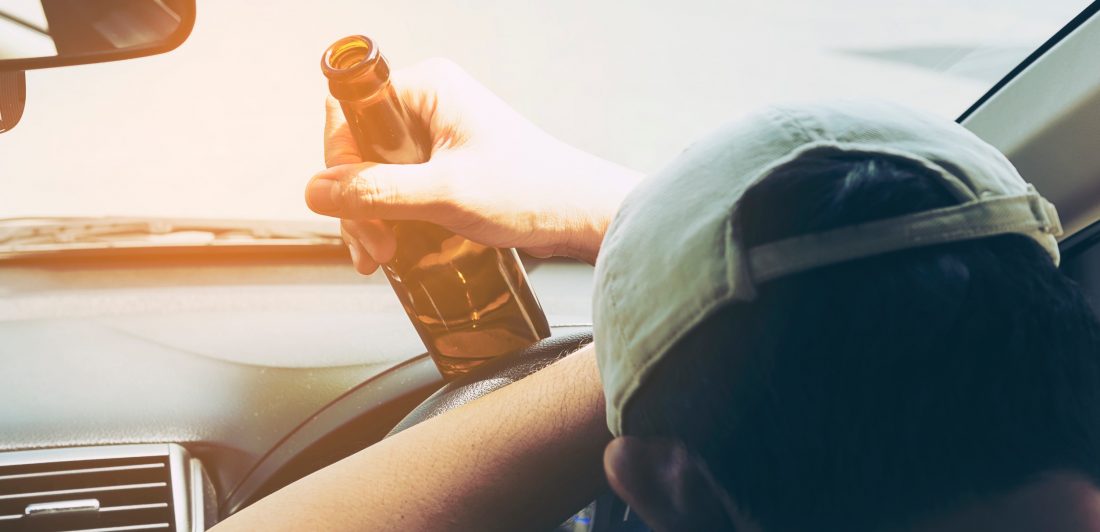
(519, 458)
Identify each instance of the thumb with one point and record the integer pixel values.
(380, 191)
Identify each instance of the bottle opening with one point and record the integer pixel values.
(349, 55)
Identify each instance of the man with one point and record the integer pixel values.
(828, 317)
(860, 326)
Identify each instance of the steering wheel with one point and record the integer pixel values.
(505, 370)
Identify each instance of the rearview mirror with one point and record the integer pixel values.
(49, 33)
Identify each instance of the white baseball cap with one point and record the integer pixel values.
(672, 256)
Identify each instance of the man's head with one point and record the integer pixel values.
(878, 393)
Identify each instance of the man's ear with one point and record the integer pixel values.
(668, 487)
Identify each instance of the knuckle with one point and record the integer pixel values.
(366, 195)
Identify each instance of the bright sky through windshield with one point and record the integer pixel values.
(229, 124)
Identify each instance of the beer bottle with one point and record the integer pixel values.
(468, 302)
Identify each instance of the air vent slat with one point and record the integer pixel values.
(82, 491)
(81, 471)
(97, 489)
(152, 526)
(134, 507)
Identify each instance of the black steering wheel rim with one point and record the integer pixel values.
(493, 375)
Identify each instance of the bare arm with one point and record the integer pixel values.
(524, 456)
(520, 458)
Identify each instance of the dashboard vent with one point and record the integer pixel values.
(111, 488)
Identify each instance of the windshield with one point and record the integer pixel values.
(229, 124)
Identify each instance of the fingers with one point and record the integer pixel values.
(362, 260)
(418, 87)
(374, 236)
(382, 191)
(340, 147)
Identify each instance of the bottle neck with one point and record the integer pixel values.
(383, 128)
(355, 92)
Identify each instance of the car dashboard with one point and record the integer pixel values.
(257, 368)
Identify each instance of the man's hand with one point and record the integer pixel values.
(493, 177)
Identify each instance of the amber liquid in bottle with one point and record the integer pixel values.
(468, 302)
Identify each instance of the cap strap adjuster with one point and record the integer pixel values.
(1027, 213)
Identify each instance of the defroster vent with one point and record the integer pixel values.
(110, 488)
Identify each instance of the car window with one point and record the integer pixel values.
(228, 125)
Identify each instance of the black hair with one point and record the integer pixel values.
(880, 392)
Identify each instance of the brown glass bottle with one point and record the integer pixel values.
(469, 302)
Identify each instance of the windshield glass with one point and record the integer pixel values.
(229, 124)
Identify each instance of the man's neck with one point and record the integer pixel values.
(1057, 502)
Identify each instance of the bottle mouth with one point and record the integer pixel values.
(349, 57)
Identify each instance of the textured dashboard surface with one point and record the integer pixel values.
(228, 358)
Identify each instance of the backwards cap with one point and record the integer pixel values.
(673, 255)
